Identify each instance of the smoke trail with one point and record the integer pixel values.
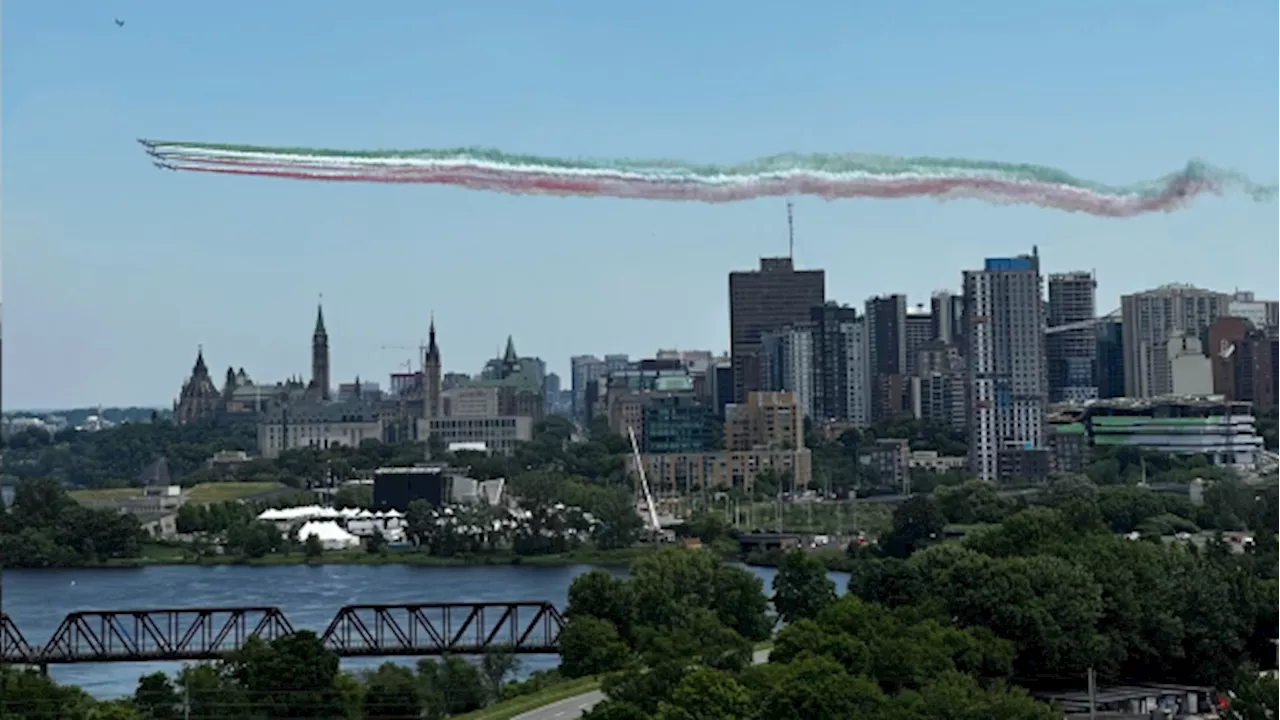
(830, 176)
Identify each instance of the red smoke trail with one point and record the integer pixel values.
(521, 182)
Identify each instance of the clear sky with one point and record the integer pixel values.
(114, 272)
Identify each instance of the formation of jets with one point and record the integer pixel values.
(158, 160)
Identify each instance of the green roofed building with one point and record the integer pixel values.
(1223, 431)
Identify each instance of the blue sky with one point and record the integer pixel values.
(114, 272)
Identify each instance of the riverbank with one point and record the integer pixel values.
(163, 555)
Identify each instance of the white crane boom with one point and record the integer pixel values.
(644, 482)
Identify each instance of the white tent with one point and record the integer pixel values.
(332, 537)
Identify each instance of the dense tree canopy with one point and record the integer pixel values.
(46, 528)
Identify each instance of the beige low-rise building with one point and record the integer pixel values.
(319, 426)
(931, 461)
(501, 434)
(677, 473)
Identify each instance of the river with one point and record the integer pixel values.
(309, 595)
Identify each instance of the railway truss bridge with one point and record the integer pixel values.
(194, 634)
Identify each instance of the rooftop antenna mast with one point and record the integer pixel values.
(791, 233)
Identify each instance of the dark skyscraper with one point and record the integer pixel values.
(1110, 341)
(1072, 354)
(765, 300)
(887, 351)
(831, 360)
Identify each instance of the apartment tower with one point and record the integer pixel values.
(1149, 319)
(1007, 378)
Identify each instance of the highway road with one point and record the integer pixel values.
(574, 707)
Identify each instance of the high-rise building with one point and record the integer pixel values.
(1244, 368)
(583, 370)
(675, 423)
(760, 301)
(1264, 314)
(1005, 363)
(720, 379)
(918, 331)
(787, 363)
(830, 323)
(947, 310)
(1072, 353)
(886, 320)
(1110, 364)
(857, 396)
(1149, 319)
(942, 385)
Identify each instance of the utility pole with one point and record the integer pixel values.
(1093, 694)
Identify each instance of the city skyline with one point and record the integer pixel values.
(561, 366)
(117, 272)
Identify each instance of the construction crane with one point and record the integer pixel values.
(655, 527)
(421, 350)
(1082, 324)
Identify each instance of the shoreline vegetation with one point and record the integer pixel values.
(170, 556)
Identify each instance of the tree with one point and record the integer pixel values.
(376, 543)
(28, 694)
(974, 501)
(1048, 607)
(313, 547)
(497, 665)
(955, 696)
(156, 697)
(451, 687)
(354, 496)
(391, 692)
(812, 687)
(916, 522)
(707, 694)
(1253, 697)
(590, 646)
(292, 676)
(600, 595)
(740, 603)
(801, 587)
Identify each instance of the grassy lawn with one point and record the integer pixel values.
(827, 517)
(105, 495)
(210, 493)
(508, 709)
(960, 531)
(202, 494)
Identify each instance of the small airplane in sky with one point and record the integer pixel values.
(119, 22)
(146, 144)
(164, 166)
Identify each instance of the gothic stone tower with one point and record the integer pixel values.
(320, 357)
(431, 374)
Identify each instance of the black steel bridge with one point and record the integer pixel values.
(193, 634)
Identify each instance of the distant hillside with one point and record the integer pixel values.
(78, 416)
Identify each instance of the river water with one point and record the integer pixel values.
(309, 596)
